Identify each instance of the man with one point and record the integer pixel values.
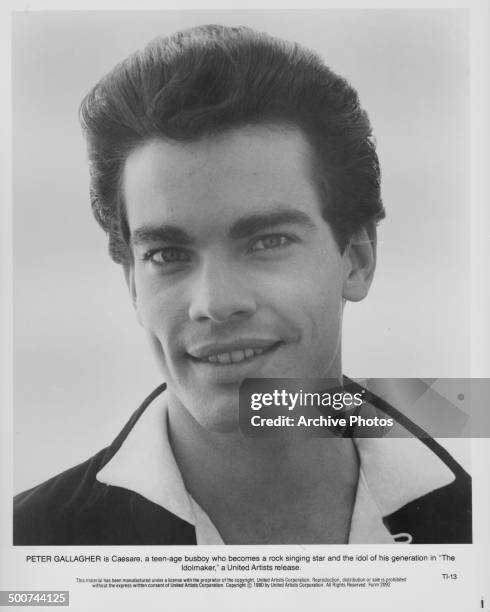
(238, 181)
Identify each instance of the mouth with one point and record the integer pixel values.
(232, 353)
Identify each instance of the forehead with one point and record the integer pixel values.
(244, 171)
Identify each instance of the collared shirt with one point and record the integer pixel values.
(392, 473)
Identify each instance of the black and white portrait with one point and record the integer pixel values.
(203, 197)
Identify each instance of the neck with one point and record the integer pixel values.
(229, 474)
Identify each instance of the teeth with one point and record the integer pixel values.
(237, 356)
(234, 356)
(224, 357)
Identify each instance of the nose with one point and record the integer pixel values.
(219, 293)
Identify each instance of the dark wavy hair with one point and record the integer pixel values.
(209, 79)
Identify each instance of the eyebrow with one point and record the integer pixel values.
(248, 226)
(242, 228)
(160, 233)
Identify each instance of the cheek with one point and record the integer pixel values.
(315, 301)
(162, 323)
(158, 351)
(161, 314)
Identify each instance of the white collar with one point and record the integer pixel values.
(393, 472)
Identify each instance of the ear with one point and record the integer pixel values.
(129, 277)
(359, 259)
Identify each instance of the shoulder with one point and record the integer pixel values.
(442, 516)
(422, 491)
(42, 514)
(74, 508)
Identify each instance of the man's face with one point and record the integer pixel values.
(235, 274)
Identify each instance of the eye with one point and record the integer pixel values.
(272, 241)
(168, 256)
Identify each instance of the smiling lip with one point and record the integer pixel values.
(230, 353)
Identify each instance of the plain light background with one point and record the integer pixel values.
(81, 362)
